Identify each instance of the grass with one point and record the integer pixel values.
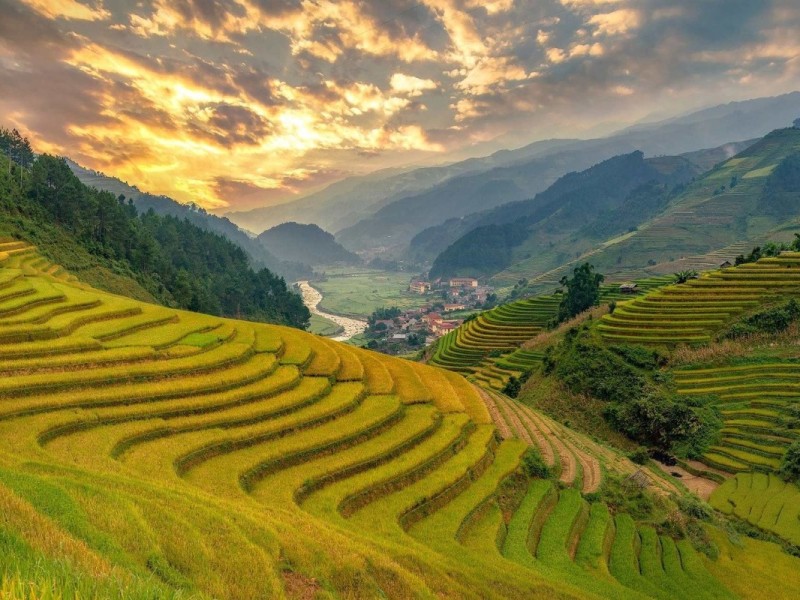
(324, 327)
(358, 292)
(763, 500)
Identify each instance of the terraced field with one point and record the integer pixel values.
(764, 500)
(692, 312)
(171, 454)
(489, 347)
(757, 402)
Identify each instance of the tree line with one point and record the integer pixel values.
(178, 263)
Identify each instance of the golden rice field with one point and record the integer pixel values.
(147, 452)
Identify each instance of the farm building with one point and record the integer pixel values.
(629, 288)
(420, 287)
(463, 282)
(452, 307)
(726, 264)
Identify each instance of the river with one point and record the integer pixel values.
(312, 299)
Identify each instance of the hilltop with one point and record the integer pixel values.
(308, 244)
(385, 210)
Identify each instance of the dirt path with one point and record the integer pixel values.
(312, 298)
(698, 485)
(494, 412)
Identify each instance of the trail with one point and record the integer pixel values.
(312, 299)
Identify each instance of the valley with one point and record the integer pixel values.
(348, 327)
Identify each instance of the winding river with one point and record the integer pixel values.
(312, 298)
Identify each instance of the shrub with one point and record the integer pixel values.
(533, 464)
(790, 466)
(773, 320)
(640, 456)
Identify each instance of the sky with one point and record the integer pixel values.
(235, 104)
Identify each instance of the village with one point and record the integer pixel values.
(451, 301)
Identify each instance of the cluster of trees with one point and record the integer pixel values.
(383, 314)
(769, 249)
(627, 379)
(17, 147)
(177, 262)
(582, 291)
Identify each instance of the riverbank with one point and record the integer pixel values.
(312, 298)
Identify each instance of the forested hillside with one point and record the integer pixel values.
(291, 268)
(308, 244)
(112, 245)
(575, 200)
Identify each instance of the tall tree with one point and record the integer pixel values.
(582, 291)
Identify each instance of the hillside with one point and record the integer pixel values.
(627, 184)
(109, 244)
(730, 209)
(703, 370)
(290, 268)
(172, 454)
(308, 244)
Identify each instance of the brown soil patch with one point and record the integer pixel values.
(300, 587)
(494, 412)
(700, 486)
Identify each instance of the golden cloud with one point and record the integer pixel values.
(68, 9)
(206, 131)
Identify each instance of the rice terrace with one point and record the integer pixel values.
(399, 299)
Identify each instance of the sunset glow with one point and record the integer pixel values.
(242, 103)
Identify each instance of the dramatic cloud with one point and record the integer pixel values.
(249, 102)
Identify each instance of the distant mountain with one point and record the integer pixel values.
(346, 202)
(656, 228)
(305, 243)
(431, 242)
(163, 205)
(574, 201)
(393, 226)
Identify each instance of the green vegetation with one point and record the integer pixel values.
(764, 500)
(171, 260)
(306, 244)
(359, 292)
(323, 326)
(581, 293)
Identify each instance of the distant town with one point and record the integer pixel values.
(395, 331)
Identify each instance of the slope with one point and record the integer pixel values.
(395, 224)
(572, 202)
(147, 256)
(734, 205)
(308, 244)
(290, 268)
(151, 452)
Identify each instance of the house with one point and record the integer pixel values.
(419, 287)
(726, 264)
(400, 336)
(443, 327)
(452, 307)
(462, 282)
(629, 288)
(432, 318)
